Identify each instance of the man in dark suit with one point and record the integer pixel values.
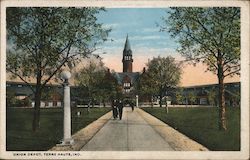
(114, 108)
(120, 108)
(132, 105)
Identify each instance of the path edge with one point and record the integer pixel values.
(177, 140)
(83, 136)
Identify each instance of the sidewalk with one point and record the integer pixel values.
(132, 133)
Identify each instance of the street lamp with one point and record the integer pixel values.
(166, 100)
(136, 100)
(67, 140)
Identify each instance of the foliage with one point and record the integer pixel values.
(212, 97)
(10, 98)
(13, 101)
(144, 84)
(98, 82)
(179, 96)
(110, 87)
(90, 77)
(192, 97)
(45, 39)
(42, 40)
(209, 35)
(205, 34)
(161, 74)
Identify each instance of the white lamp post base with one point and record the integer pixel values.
(66, 142)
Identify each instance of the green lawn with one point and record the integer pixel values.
(19, 127)
(201, 124)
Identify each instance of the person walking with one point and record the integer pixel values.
(114, 108)
(120, 108)
(132, 105)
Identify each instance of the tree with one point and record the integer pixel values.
(11, 99)
(192, 97)
(162, 73)
(212, 97)
(109, 87)
(42, 40)
(212, 36)
(179, 96)
(99, 82)
(144, 86)
(90, 77)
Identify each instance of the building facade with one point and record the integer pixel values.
(127, 79)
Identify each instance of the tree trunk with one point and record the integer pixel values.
(160, 99)
(88, 109)
(222, 107)
(152, 103)
(93, 103)
(104, 104)
(36, 113)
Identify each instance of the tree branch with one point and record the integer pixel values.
(234, 72)
(229, 67)
(212, 63)
(204, 28)
(26, 82)
(195, 39)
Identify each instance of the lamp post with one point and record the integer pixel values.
(136, 100)
(166, 101)
(67, 140)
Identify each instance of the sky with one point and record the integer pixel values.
(146, 40)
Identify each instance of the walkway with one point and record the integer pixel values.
(132, 133)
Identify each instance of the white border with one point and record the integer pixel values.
(243, 154)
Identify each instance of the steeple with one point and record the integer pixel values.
(127, 49)
(127, 59)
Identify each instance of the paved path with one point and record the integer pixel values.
(132, 133)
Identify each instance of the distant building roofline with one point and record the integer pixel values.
(208, 85)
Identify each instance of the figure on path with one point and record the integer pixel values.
(132, 105)
(120, 108)
(114, 108)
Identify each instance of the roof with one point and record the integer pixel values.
(127, 49)
(132, 75)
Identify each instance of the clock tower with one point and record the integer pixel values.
(127, 59)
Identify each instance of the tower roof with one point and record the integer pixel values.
(127, 47)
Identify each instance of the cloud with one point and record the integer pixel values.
(111, 25)
(148, 30)
(154, 37)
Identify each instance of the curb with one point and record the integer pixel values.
(82, 136)
(177, 140)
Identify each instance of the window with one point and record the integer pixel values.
(126, 84)
(127, 90)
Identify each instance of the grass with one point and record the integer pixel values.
(19, 127)
(201, 125)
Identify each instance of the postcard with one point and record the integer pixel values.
(124, 79)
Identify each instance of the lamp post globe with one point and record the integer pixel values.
(65, 75)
